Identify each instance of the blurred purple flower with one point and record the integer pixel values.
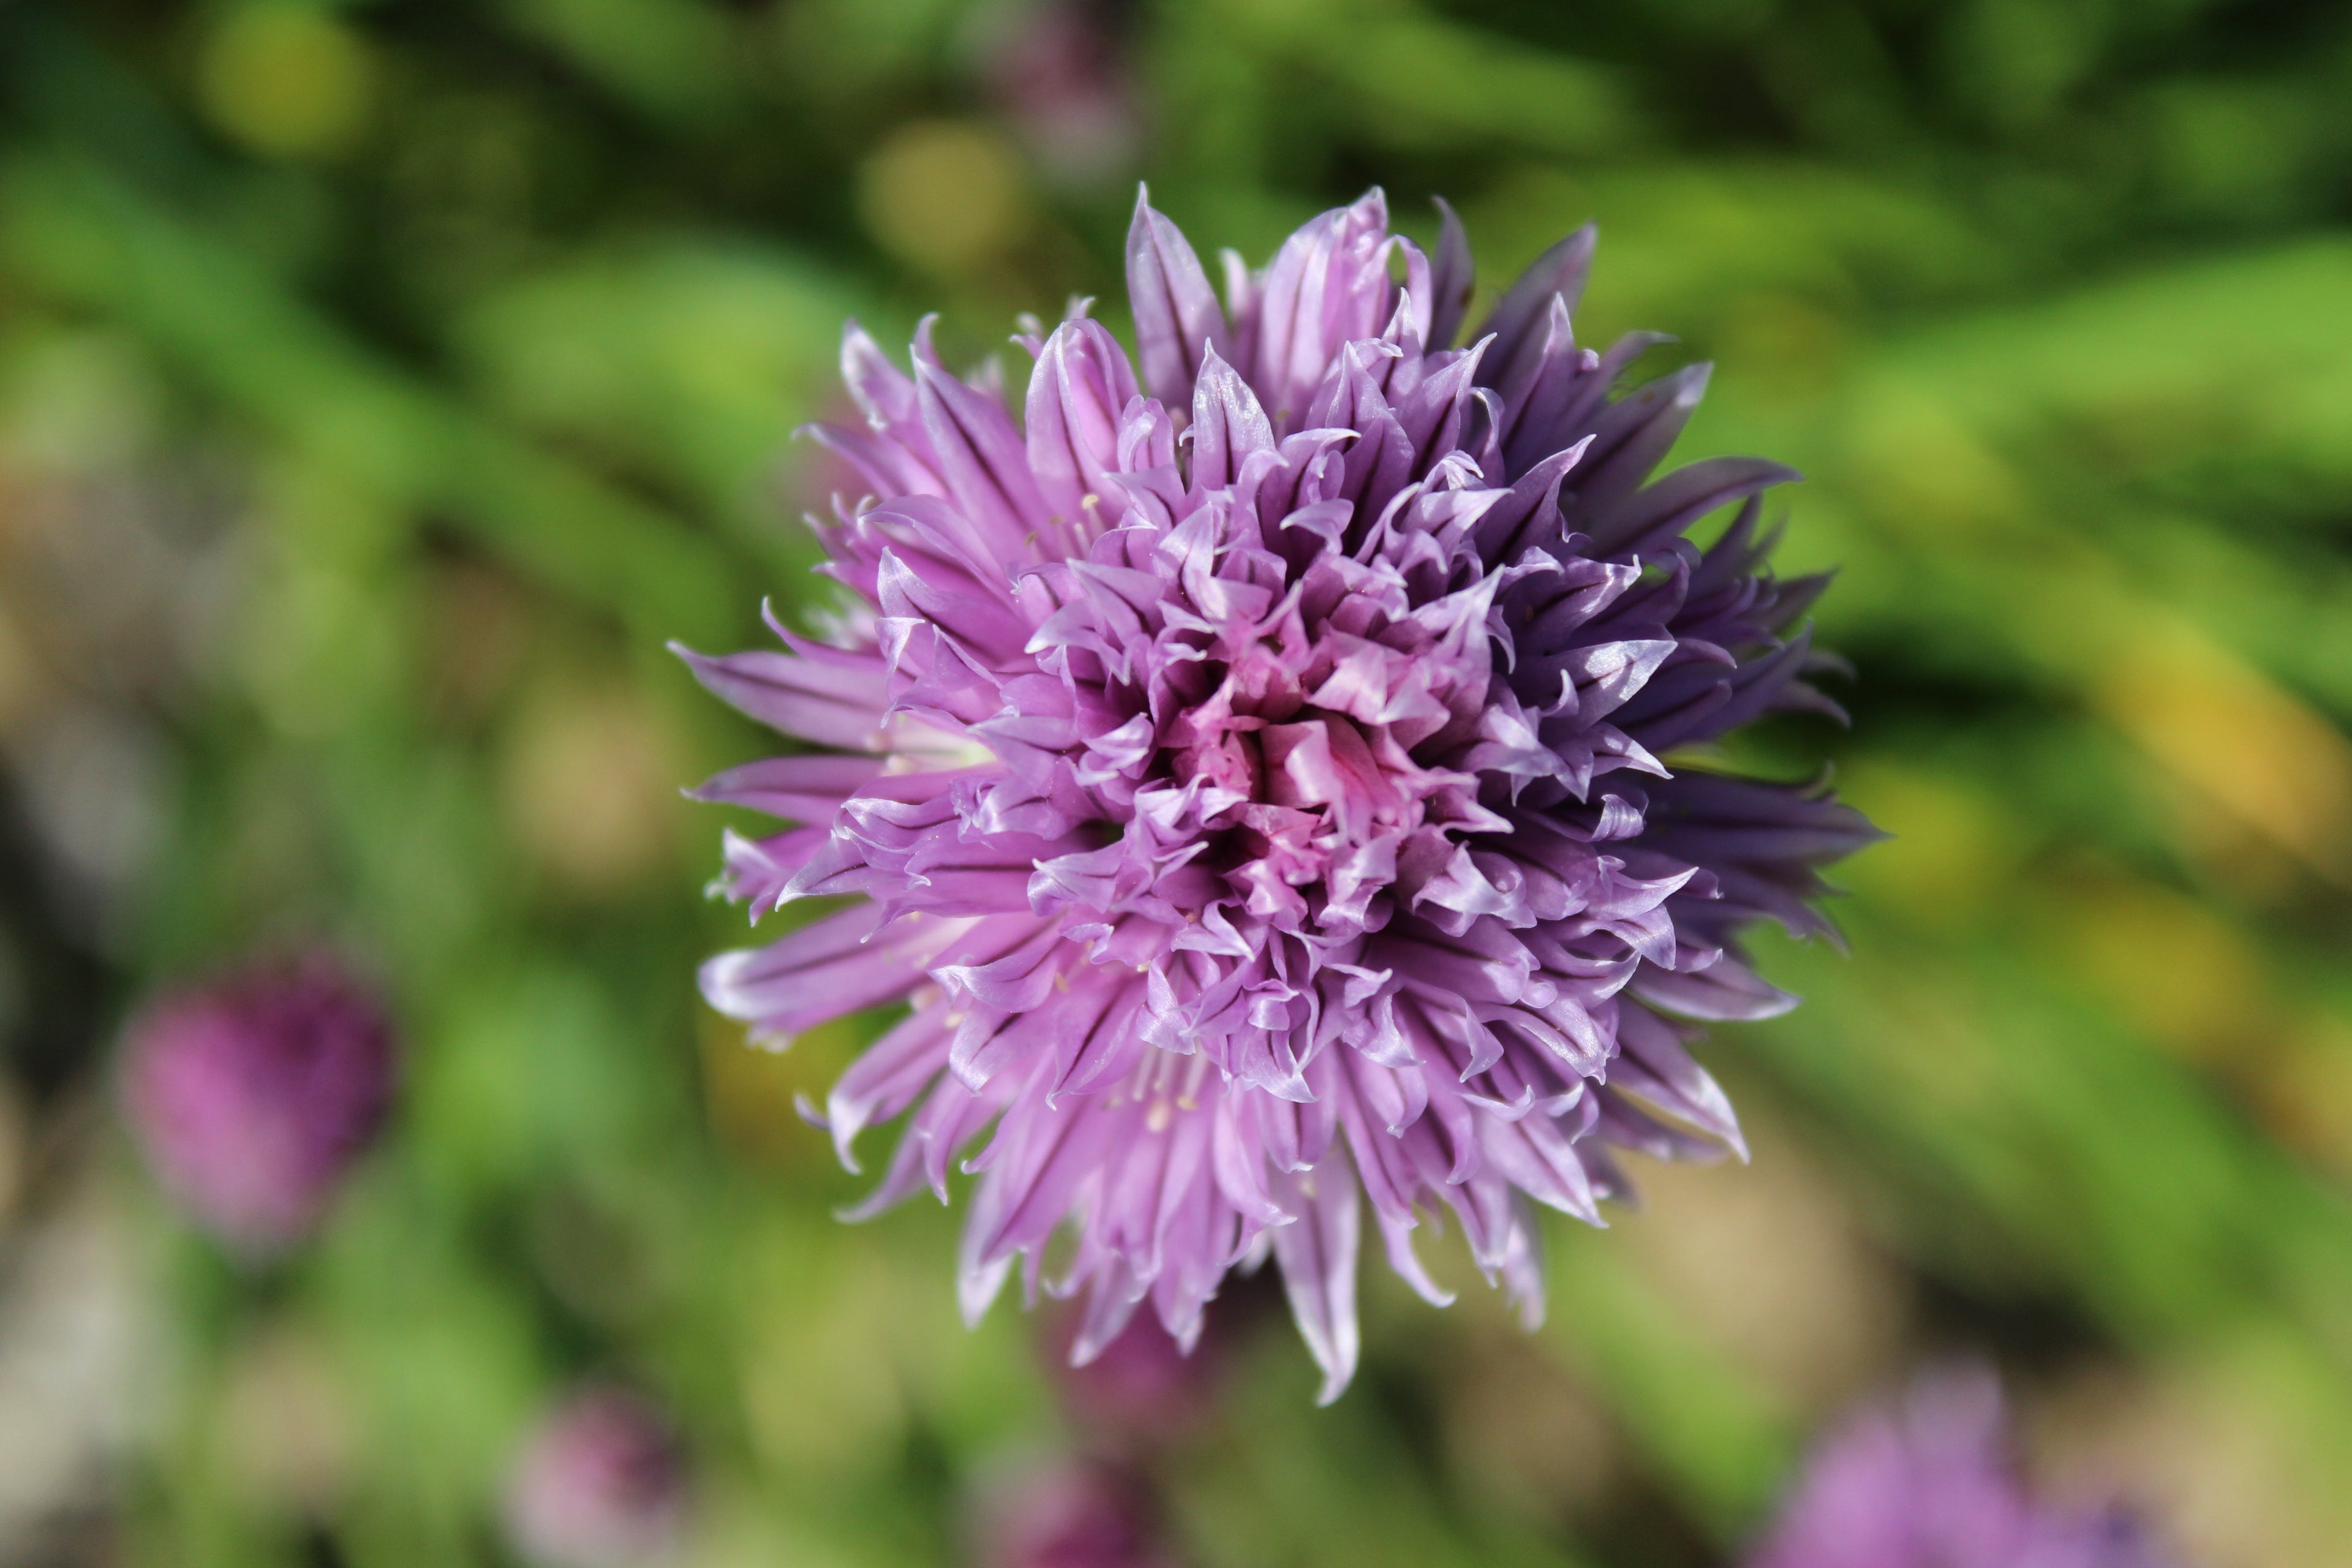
(1929, 1485)
(1059, 70)
(601, 1484)
(1071, 1515)
(1253, 773)
(254, 1095)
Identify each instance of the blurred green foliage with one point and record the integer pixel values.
(478, 327)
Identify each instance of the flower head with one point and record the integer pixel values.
(1928, 1486)
(1253, 764)
(601, 1484)
(253, 1096)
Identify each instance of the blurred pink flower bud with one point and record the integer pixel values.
(601, 1484)
(1072, 1515)
(253, 1095)
(1059, 70)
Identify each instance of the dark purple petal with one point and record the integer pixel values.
(1517, 321)
(1661, 512)
(1628, 440)
(1451, 281)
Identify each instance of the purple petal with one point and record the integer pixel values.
(1177, 322)
(1516, 324)
(831, 707)
(1317, 1251)
(1452, 281)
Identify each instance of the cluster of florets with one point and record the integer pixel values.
(1254, 776)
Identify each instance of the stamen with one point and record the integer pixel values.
(1189, 1098)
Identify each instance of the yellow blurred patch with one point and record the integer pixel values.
(590, 787)
(1781, 347)
(1922, 468)
(288, 80)
(945, 194)
(749, 1088)
(2304, 1091)
(1950, 853)
(2178, 971)
(288, 1426)
(2238, 741)
(1526, 1435)
(2230, 1449)
(824, 1391)
(1769, 1264)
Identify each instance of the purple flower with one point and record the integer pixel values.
(1071, 1515)
(253, 1096)
(1928, 1486)
(1254, 774)
(601, 1484)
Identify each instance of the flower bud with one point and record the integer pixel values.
(254, 1095)
(600, 1484)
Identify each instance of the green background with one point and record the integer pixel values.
(381, 384)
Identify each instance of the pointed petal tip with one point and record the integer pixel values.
(921, 349)
(978, 1286)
